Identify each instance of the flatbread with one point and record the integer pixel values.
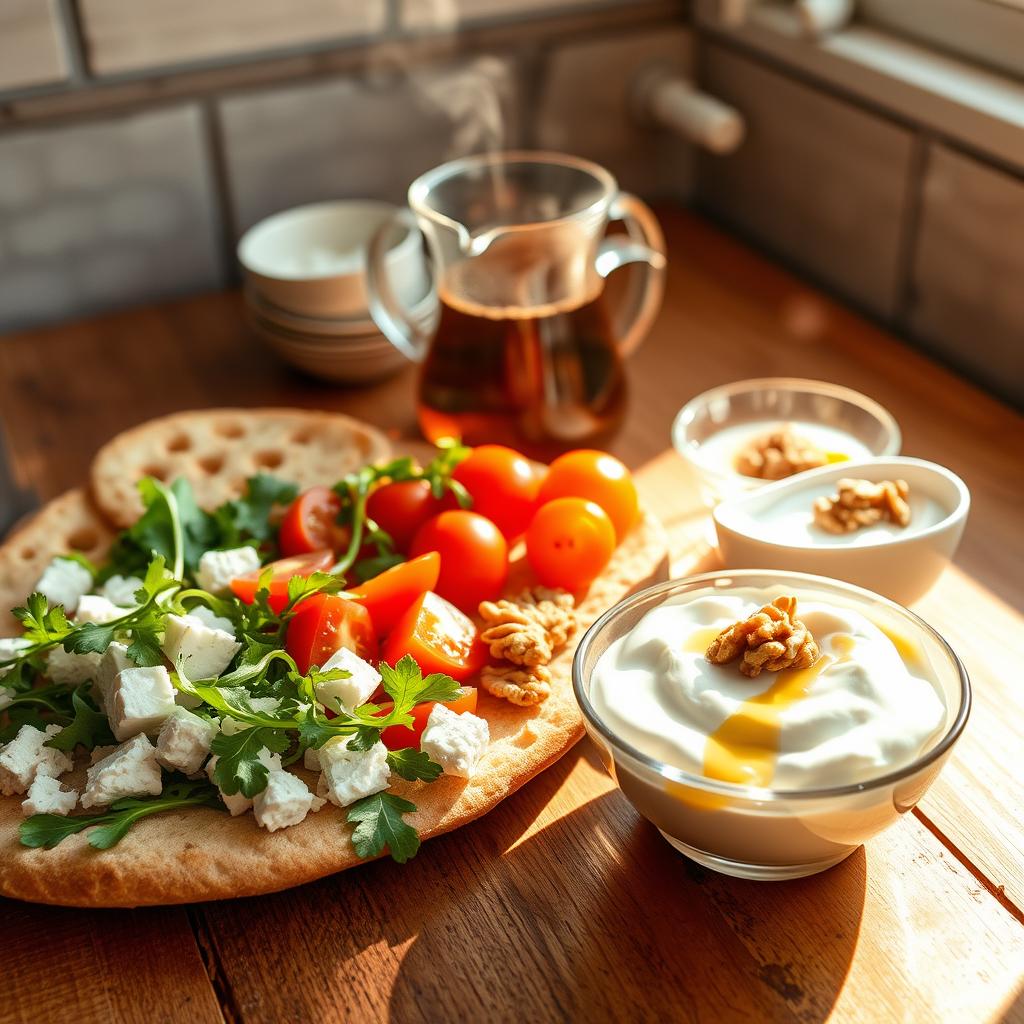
(68, 523)
(217, 450)
(203, 854)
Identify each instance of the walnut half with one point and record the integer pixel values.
(862, 503)
(528, 629)
(773, 638)
(777, 454)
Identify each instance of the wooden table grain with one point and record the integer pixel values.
(563, 904)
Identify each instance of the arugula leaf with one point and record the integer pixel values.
(47, 830)
(248, 517)
(413, 765)
(89, 727)
(238, 763)
(378, 821)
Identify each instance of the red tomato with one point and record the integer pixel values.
(244, 587)
(503, 485)
(324, 623)
(569, 542)
(474, 556)
(438, 636)
(311, 524)
(388, 595)
(395, 737)
(598, 477)
(400, 509)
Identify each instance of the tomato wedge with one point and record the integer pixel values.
(395, 737)
(324, 623)
(438, 636)
(245, 587)
(311, 524)
(387, 596)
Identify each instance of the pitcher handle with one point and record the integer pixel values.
(643, 243)
(408, 336)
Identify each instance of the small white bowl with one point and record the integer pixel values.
(900, 563)
(311, 260)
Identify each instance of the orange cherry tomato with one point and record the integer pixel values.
(387, 596)
(311, 524)
(395, 737)
(474, 556)
(401, 508)
(598, 477)
(569, 542)
(503, 485)
(324, 623)
(245, 587)
(438, 636)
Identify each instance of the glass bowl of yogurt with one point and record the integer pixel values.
(785, 774)
(712, 430)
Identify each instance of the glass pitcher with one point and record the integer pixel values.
(520, 348)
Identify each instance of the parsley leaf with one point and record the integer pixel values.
(89, 727)
(238, 763)
(407, 687)
(413, 765)
(378, 821)
(248, 518)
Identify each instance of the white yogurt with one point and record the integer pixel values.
(855, 715)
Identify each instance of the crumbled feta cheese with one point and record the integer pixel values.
(285, 801)
(93, 608)
(139, 701)
(209, 618)
(65, 581)
(113, 662)
(218, 568)
(45, 796)
(262, 705)
(121, 590)
(184, 741)
(349, 775)
(131, 770)
(347, 694)
(455, 742)
(311, 759)
(238, 803)
(25, 758)
(63, 667)
(206, 652)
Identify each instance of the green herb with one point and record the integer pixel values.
(248, 518)
(406, 685)
(238, 765)
(378, 821)
(47, 830)
(413, 765)
(89, 727)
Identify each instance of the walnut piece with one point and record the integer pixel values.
(777, 454)
(862, 503)
(773, 638)
(518, 685)
(528, 629)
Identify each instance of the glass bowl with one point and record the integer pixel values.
(776, 400)
(764, 833)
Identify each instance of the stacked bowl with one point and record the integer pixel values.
(305, 287)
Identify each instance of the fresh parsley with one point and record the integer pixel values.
(239, 768)
(413, 765)
(89, 727)
(379, 824)
(249, 518)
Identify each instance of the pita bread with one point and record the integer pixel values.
(217, 450)
(202, 854)
(68, 523)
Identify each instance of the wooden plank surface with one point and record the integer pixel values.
(562, 903)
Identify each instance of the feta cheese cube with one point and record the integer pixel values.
(45, 796)
(285, 801)
(11, 647)
(113, 662)
(93, 608)
(348, 694)
(206, 652)
(209, 618)
(218, 568)
(238, 803)
(121, 590)
(455, 742)
(184, 741)
(63, 667)
(139, 701)
(25, 758)
(65, 581)
(311, 759)
(349, 775)
(130, 770)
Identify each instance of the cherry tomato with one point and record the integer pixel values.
(395, 737)
(598, 477)
(401, 508)
(474, 556)
(388, 595)
(503, 485)
(569, 542)
(311, 524)
(245, 587)
(438, 636)
(324, 623)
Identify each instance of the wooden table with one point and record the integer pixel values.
(563, 904)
